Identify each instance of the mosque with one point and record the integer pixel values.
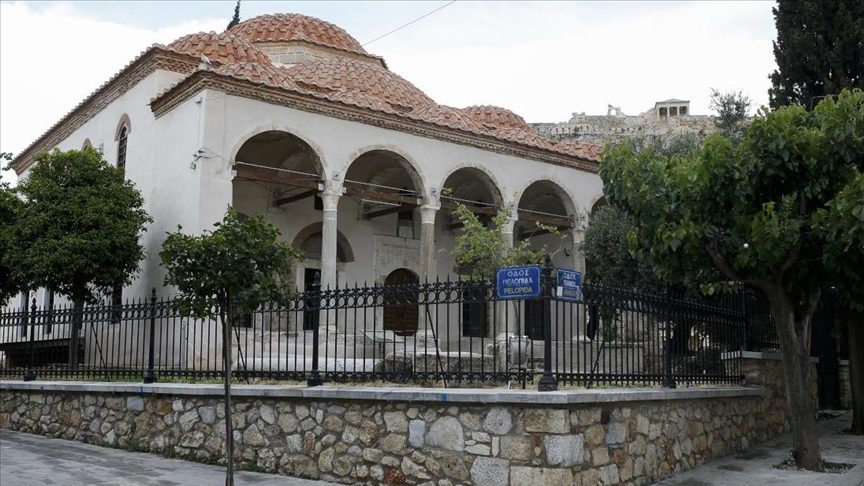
(289, 116)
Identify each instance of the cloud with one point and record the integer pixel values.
(542, 60)
(53, 57)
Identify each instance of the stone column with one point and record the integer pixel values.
(428, 266)
(330, 198)
(577, 258)
(508, 311)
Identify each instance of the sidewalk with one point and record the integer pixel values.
(753, 467)
(34, 460)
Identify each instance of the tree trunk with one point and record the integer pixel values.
(794, 338)
(229, 426)
(75, 332)
(855, 329)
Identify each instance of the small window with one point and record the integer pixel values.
(663, 112)
(48, 310)
(673, 111)
(318, 205)
(682, 111)
(121, 147)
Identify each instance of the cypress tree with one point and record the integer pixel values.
(819, 50)
(236, 18)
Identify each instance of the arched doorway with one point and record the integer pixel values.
(542, 204)
(400, 302)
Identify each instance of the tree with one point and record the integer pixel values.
(226, 273)
(236, 18)
(609, 259)
(78, 230)
(819, 50)
(481, 249)
(10, 207)
(731, 110)
(842, 223)
(749, 212)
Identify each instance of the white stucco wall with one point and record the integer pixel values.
(195, 195)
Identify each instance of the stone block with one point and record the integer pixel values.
(519, 447)
(546, 420)
(540, 476)
(416, 433)
(616, 433)
(446, 433)
(564, 450)
(396, 421)
(488, 471)
(498, 421)
(135, 404)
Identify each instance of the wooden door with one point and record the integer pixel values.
(400, 302)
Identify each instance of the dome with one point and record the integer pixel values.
(496, 117)
(223, 48)
(296, 27)
(353, 76)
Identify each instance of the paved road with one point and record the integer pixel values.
(754, 466)
(33, 460)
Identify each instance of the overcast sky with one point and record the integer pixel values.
(542, 60)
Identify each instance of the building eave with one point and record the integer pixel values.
(309, 102)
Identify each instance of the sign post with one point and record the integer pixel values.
(568, 285)
(518, 282)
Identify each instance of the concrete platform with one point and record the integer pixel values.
(34, 460)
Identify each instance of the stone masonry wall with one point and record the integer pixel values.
(407, 443)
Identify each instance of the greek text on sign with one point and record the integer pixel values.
(518, 283)
(569, 285)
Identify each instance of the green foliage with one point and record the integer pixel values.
(78, 230)
(235, 19)
(744, 212)
(233, 269)
(10, 206)
(480, 249)
(607, 252)
(842, 226)
(731, 110)
(819, 50)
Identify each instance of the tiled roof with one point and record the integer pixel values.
(224, 48)
(295, 27)
(497, 117)
(352, 82)
(353, 76)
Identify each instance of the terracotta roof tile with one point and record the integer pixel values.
(295, 27)
(354, 76)
(224, 48)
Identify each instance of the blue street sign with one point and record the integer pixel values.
(518, 283)
(569, 285)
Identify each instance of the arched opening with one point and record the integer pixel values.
(387, 190)
(87, 144)
(474, 189)
(542, 203)
(275, 169)
(308, 240)
(401, 310)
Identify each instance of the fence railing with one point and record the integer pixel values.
(436, 333)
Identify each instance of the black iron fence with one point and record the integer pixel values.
(436, 333)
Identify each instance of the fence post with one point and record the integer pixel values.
(748, 331)
(30, 374)
(548, 381)
(150, 377)
(668, 379)
(315, 377)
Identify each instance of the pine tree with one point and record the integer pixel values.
(819, 50)
(236, 18)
